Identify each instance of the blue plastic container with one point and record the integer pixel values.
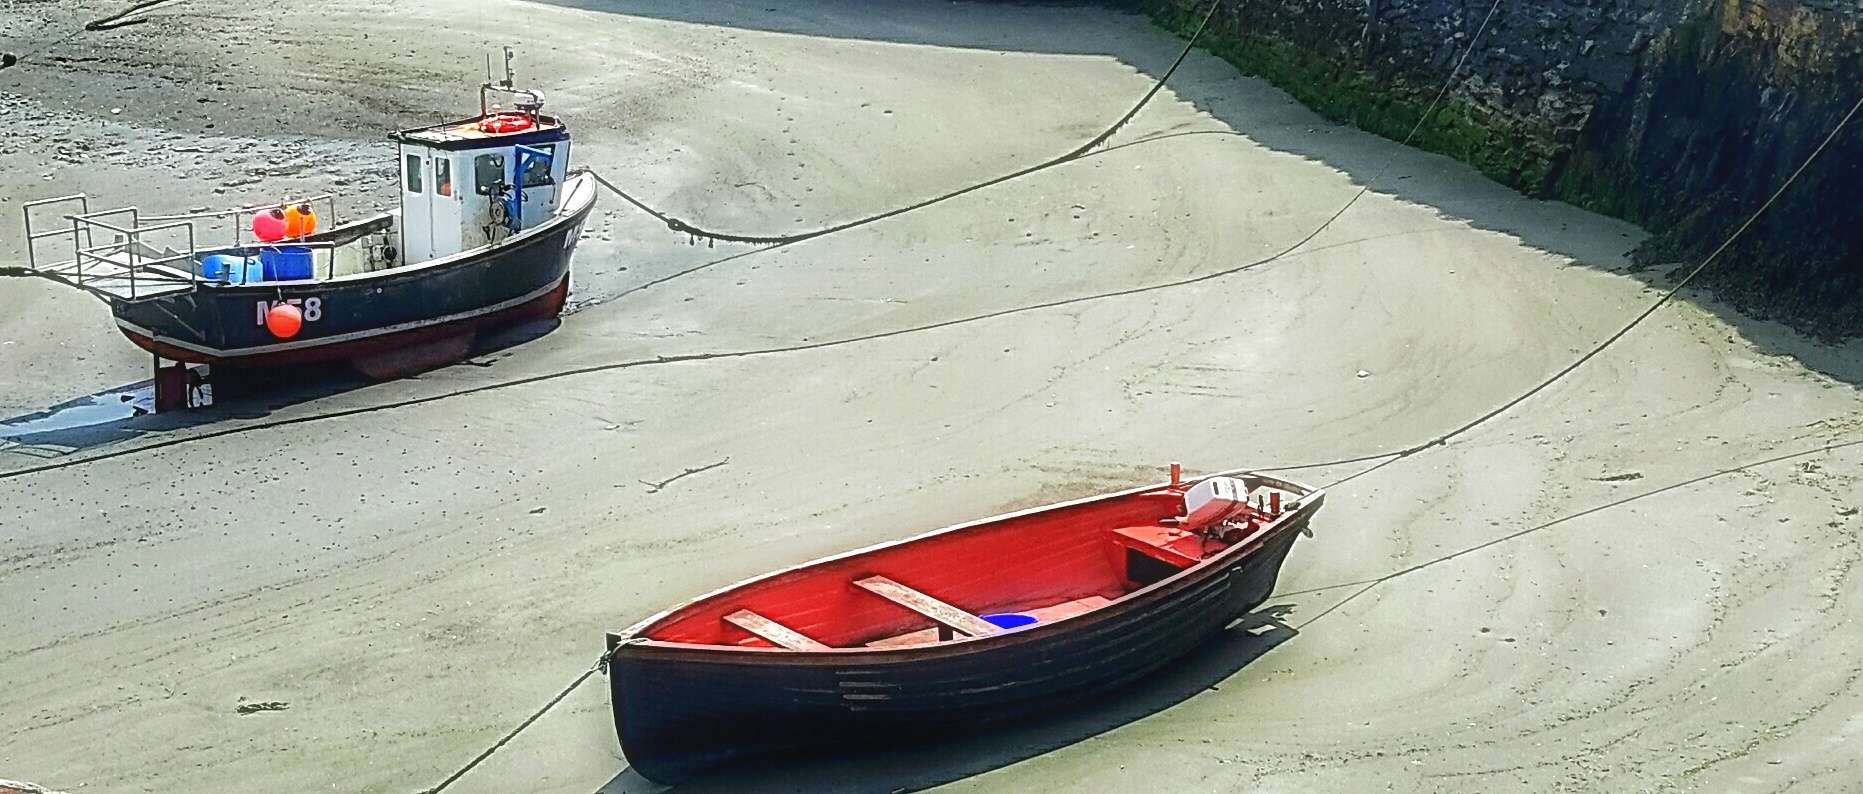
(222, 267)
(231, 269)
(1010, 620)
(286, 262)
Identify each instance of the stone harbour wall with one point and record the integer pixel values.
(1680, 115)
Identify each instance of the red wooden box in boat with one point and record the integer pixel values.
(903, 638)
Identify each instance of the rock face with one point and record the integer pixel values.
(1680, 115)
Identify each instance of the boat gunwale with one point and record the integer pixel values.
(634, 637)
(563, 214)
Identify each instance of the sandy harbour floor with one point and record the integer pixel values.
(414, 580)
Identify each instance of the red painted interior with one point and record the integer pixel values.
(1059, 562)
(1169, 544)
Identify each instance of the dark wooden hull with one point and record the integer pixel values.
(542, 307)
(680, 709)
(352, 317)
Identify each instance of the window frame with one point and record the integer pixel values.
(443, 176)
(549, 170)
(413, 180)
(480, 170)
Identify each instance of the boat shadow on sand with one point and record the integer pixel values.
(126, 412)
(917, 764)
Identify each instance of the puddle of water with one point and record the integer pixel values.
(96, 409)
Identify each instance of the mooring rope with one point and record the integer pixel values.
(683, 227)
(1445, 438)
(1386, 459)
(601, 665)
(1078, 152)
(1366, 585)
(1284, 253)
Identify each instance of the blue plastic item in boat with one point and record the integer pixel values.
(1010, 620)
(232, 269)
(286, 262)
(222, 267)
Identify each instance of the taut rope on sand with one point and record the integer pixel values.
(1076, 153)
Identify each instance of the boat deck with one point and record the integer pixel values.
(978, 581)
(123, 255)
(119, 274)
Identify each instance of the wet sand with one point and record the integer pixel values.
(413, 581)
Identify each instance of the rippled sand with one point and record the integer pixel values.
(413, 581)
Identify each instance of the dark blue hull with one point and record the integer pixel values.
(353, 316)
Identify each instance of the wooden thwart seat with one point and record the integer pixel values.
(1047, 614)
(940, 612)
(781, 635)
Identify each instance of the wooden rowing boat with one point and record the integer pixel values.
(981, 621)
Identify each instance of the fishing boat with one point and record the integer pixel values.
(488, 220)
(982, 621)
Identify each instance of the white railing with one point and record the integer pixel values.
(142, 255)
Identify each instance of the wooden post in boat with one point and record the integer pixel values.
(1177, 474)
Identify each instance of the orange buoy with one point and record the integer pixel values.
(284, 320)
(506, 122)
(300, 221)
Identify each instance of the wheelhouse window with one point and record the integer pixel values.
(537, 171)
(443, 176)
(413, 173)
(488, 173)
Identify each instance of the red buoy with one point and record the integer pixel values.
(284, 320)
(269, 225)
(506, 122)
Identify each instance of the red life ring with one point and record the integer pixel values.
(506, 122)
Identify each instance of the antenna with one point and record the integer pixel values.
(527, 101)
